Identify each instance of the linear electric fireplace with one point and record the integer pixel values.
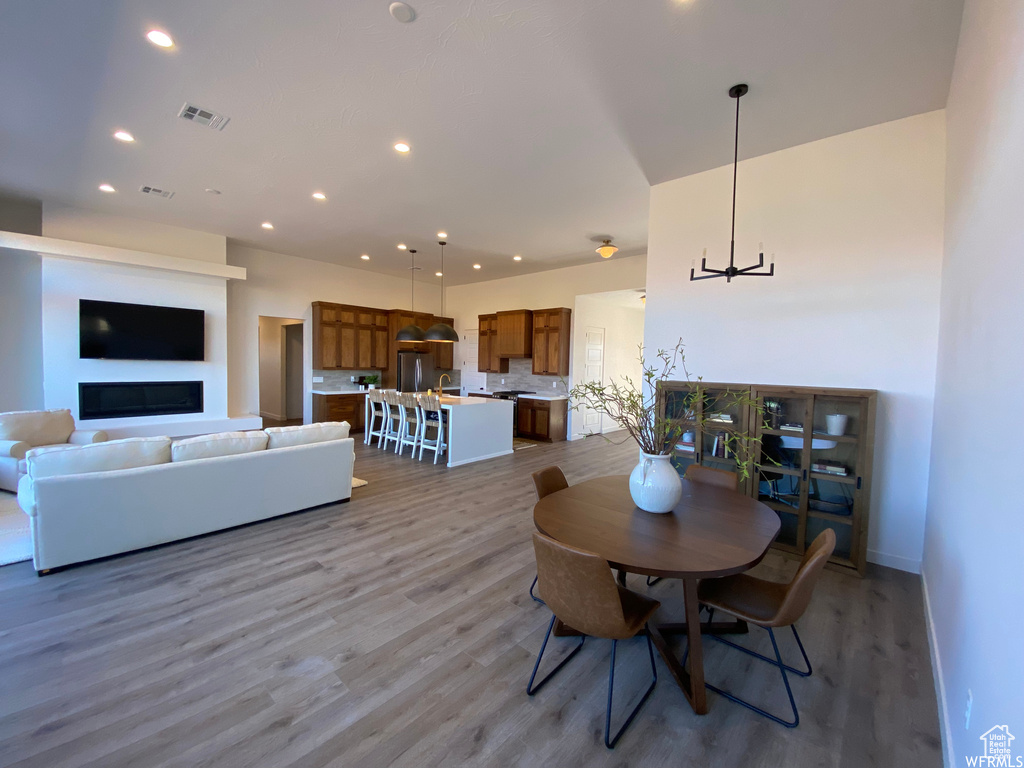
(126, 399)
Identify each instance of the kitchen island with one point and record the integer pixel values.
(478, 429)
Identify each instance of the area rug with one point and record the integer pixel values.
(15, 535)
(357, 483)
(518, 444)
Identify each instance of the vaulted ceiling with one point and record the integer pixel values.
(536, 127)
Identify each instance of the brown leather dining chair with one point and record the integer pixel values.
(580, 590)
(547, 481)
(720, 477)
(770, 605)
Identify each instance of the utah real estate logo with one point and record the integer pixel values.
(997, 751)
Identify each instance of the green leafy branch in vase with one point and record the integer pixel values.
(640, 408)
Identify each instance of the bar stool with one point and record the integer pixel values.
(409, 432)
(374, 411)
(392, 419)
(433, 418)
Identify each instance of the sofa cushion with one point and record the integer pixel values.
(218, 444)
(99, 457)
(37, 427)
(282, 437)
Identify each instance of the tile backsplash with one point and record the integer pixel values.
(520, 376)
(341, 381)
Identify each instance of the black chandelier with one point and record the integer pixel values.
(732, 270)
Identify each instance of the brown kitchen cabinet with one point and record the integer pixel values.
(347, 337)
(515, 333)
(488, 360)
(551, 329)
(443, 351)
(543, 420)
(341, 407)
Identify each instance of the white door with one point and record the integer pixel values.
(468, 354)
(593, 371)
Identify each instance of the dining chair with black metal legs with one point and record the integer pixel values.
(547, 481)
(770, 605)
(581, 592)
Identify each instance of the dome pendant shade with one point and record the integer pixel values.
(441, 332)
(607, 250)
(411, 333)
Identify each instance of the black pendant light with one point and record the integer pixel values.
(732, 270)
(441, 331)
(411, 332)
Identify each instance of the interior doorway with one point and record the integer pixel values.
(281, 375)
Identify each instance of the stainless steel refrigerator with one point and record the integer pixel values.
(416, 371)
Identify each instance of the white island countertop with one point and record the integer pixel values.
(478, 428)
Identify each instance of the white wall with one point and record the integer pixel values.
(856, 222)
(974, 541)
(64, 282)
(85, 226)
(624, 333)
(21, 337)
(286, 286)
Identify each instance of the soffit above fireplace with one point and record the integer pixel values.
(105, 254)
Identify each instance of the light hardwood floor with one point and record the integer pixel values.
(396, 630)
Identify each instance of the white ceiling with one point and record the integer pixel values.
(536, 126)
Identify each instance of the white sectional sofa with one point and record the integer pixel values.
(87, 502)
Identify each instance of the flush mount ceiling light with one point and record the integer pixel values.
(402, 147)
(319, 196)
(267, 225)
(441, 331)
(123, 136)
(411, 332)
(158, 37)
(107, 188)
(402, 12)
(517, 257)
(607, 250)
(364, 257)
(736, 92)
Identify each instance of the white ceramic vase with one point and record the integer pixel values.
(654, 484)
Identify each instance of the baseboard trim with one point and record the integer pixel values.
(269, 415)
(940, 686)
(898, 562)
(479, 458)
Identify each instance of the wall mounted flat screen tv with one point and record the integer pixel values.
(110, 330)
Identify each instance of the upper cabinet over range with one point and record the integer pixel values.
(540, 334)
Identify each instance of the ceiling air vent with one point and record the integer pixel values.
(156, 192)
(202, 116)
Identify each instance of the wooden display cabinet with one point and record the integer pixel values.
(812, 479)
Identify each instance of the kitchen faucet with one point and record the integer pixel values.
(440, 383)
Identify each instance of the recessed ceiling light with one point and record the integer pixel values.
(476, 266)
(401, 246)
(123, 136)
(319, 196)
(211, 191)
(267, 225)
(107, 188)
(364, 257)
(157, 37)
(439, 274)
(402, 12)
(517, 257)
(442, 234)
(402, 147)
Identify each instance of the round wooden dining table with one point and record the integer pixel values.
(711, 532)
